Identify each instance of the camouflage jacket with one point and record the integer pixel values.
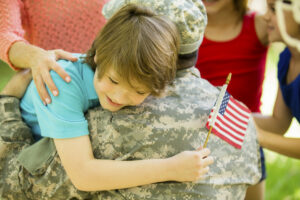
(158, 128)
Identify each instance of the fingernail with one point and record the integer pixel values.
(68, 79)
(48, 100)
(55, 93)
(44, 103)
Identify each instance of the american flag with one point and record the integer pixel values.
(231, 121)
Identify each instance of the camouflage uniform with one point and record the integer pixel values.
(158, 128)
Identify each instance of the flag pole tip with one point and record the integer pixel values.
(228, 78)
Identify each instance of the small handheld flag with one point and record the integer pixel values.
(229, 119)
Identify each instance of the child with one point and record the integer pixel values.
(134, 56)
(235, 41)
(283, 27)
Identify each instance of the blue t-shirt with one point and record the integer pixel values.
(290, 92)
(64, 117)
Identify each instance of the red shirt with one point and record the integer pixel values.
(243, 56)
(71, 25)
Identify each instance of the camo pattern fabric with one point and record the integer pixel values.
(14, 137)
(48, 180)
(158, 128)
(188, 15)
(163, 127)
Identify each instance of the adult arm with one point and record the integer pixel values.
(271, 129)
(24, 55)
(18, 53)
(280, 119)
(279, 144)
(11, 29)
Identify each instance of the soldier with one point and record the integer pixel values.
(133, 56)
(158, 128)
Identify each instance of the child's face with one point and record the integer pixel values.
(114, 93)
(215, 6)
(270, 17)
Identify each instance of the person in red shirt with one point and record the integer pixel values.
(32, 31)
(235, 41)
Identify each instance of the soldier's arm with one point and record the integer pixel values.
(10, 113)
(9, 101)
(11, 124)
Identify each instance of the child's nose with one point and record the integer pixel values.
(122, 97)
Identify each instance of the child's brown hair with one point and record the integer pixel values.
(139, 45)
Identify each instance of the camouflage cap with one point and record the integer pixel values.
(188, 15)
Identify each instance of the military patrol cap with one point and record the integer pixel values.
(188, 15)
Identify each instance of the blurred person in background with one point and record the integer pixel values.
(283, 18)
(236, 42)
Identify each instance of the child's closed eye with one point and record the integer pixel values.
(112, 80)
(140, 93)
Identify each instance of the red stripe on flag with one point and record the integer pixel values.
(221, 121)
(232, 125)
(241, 106)
(242, 121)
(235, 124)
(226, 132)
(238, 112)
(226, 139)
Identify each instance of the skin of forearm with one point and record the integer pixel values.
(270, 124)
(98, 175)
(22, 54)
(283, 145)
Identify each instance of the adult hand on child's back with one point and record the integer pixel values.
(191, 165)
(42, 63)
(18, 84)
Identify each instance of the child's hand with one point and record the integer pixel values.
(190, 165)
(18, 84)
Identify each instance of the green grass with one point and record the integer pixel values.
(283, 177)
(5, 74)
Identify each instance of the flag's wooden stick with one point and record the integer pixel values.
(206, 140)
(216, 110)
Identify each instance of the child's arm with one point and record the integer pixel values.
(279, 144)
(280, 119)
(90, 174)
